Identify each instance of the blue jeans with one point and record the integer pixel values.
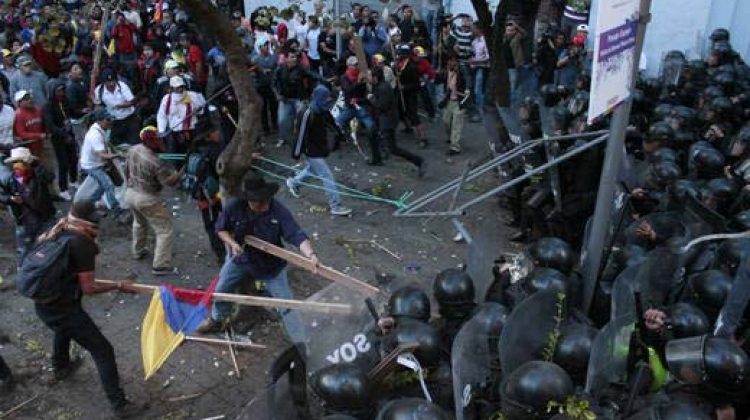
(479, 75)
(319, 167)
(359, 112)
(288, 109)
(106, 187)
(230, 278)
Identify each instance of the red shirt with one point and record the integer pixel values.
(122, 33)
(424, 68)
(29, 125)
(194, 57)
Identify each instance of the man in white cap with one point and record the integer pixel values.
(30, 80)
(178, 114)
(117, 98)
(26, 192)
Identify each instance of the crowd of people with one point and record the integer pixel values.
(161, 90)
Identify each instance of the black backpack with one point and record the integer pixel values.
(44, 273)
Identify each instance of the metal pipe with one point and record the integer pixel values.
(534, 171)
(337, 22)
(480, 170)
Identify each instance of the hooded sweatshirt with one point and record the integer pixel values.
(312, 140)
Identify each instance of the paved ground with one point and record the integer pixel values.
(198, 380)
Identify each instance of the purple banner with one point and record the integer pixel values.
(617, 40)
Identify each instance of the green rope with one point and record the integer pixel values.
(344, 190)
(400, 204)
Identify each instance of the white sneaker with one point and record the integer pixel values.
(341, 211)
(292, 188)
(65, 196)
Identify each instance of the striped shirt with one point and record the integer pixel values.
(463, 44)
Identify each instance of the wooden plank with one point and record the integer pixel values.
(302, 305)
(98, 53)
(224, 342)
(302, 262)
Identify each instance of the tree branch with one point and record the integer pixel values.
(235, 160)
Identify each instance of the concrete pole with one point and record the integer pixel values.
(613, 159)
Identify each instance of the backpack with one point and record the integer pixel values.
(44, 275)
(190, 180)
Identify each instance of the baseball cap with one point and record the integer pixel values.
(352, 61)
(171, 64)
(23, 60)
(6, 52)
(20, 95)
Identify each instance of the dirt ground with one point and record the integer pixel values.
(198, 381)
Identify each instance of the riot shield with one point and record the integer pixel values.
(483, 250)
(672, 67)
(609, 355)
(474, 358)
(551, 150)
(656, 277)
(530, 331)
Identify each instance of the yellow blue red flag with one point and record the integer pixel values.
(173, 314)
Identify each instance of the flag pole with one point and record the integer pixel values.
(302, 305)
(224, 342)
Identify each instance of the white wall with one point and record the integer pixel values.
(675, 25)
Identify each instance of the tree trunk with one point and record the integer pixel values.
(236, 158)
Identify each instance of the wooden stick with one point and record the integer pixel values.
(229, 334)
(302, 262)
(99, 48)
(223, 342)
(302, 305)
(18, 407)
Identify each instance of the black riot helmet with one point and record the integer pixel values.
(687, 320)
(683, 116)
(705, 161)
(715, 362)
(722, 192)
(683, 138)
(343, 387)
(710, 93)
(411, 409)
(545, 278)
(726, 80)
(730, 253)
(640, 101)
(663, 111)
(453, 287)
(573, 350)
(708, 290)
(552, 253)
(652, 88)
(409, 302)
(413, 331)
(666, 172)
(719, 34)
(550, 96)
(527, 391)
(722, 106)
(684, 188)
(663, 154)
(660, 132)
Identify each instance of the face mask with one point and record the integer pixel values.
(22, 171)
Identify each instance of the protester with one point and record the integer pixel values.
(207, 192)
(26, 192)
(79, 102)
(264, 67)
(178, 115)
(408, 90)
(312, 142)
(95, 157)
(292, 82)
(146, 175)
(116, 96)
(57, 124)
(456, 94)
(29, 80)
(256, 212)
(65, 315)
(7, 122)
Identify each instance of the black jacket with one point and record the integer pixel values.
(37, 204)
(76, 94)
(384, 101)
(312, 134)
(293, 83)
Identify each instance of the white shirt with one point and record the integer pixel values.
(95, 141)
(312, 43)
(298, 30)
(7, 118)
(120, 95)
(175, 119)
